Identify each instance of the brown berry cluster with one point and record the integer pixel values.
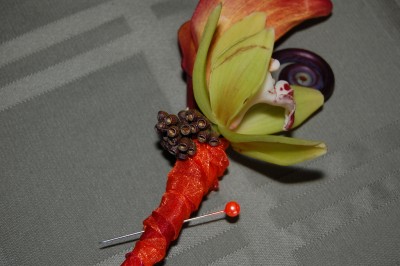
(178, 131)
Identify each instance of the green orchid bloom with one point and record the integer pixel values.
(234, 88)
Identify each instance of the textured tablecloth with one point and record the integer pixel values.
(80, 85)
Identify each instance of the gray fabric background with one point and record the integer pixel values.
(80, 85)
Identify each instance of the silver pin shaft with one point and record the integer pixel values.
(124, 238)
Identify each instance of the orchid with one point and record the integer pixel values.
(232, 80)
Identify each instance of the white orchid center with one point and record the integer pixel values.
(278, 93)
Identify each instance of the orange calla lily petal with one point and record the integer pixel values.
(281, 15)
(188, 52)
(188, 48)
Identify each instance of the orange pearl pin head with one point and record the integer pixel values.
(232, 209)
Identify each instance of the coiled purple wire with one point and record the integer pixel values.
(305, 68)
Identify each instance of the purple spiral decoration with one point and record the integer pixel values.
(305, 68)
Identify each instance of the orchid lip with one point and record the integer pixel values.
(273, 93)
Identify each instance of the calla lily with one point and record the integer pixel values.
(233, 87)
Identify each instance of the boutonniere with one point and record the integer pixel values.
(227, 55)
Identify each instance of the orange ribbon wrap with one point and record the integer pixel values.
(188, 182)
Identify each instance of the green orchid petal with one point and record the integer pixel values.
(238, 73)
(308, 100)
(249, 26)
(274, 149)
(280, 153)
(199, 70)
(267, 119)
